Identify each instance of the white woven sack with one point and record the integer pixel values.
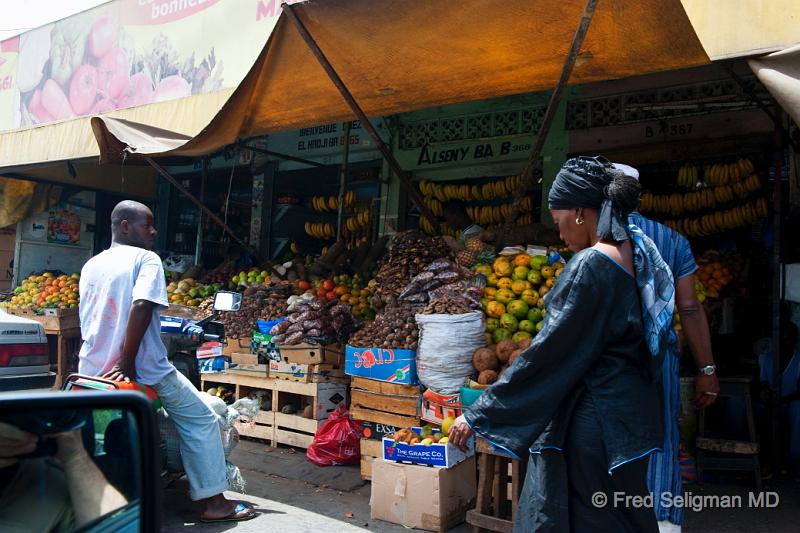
(446, 345)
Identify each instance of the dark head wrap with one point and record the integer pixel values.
(593, 182)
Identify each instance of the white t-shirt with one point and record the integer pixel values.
(110, 282)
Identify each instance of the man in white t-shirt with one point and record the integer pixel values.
(122, 291)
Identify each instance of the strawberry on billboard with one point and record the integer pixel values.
(128, 53)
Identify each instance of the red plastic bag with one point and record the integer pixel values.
(336, 441)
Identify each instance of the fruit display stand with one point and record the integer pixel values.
(500, 479)
(275, 426)
(63, 330)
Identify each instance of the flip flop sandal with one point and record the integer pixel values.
(232, 517)
(246, 504)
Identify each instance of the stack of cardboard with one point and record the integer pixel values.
(309, 363)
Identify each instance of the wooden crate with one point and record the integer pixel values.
(262, 427)
(53, 320)
(294, 430)
(371, 449)
(385, 403)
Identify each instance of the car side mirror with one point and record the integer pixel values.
(92, 455)
(227, 301)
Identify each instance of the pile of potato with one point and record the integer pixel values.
(493, 360)
(314, 322)
(410, 252)
(395, 328)
(274, 307)
(242, 323)
(450, 304)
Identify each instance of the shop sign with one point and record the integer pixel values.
(326, 139)
(127, 53)
(686, 129)
(476, 152)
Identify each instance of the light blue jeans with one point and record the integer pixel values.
(201, 442)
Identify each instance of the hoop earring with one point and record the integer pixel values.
(579, 221)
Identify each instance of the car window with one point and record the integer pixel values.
(69, 470)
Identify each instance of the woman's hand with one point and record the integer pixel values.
(459, 433)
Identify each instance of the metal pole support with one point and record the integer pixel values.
(386, 152)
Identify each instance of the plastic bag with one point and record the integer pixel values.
(446, 345)
(336, 441)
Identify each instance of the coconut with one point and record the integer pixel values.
(487, 377)
(308, 411)
(484, 359)
(514, 355)
(504, 349)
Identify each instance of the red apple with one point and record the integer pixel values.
(172, 87)
(139, 92)
(328, 285)
(103, 105)
(321, 293)
(36, 108)
(303, 285)
(83, 89)
(330, 295)
(103, 35)
(55, 101)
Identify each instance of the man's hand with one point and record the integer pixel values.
(459, 433)
(119, 373)
(70, 447)
(706, 389)
(14, 442)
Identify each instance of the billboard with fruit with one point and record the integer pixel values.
(128, 53)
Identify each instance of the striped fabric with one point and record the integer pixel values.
(664, 474)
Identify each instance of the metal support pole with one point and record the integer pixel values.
(412, 191)
(777, 278)
(198, 247)
(192, 198)
(343, 178)
(550, 111)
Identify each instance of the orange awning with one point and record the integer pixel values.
(397, 56)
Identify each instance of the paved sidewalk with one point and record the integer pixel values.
(294, 495)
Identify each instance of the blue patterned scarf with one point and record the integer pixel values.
(656, 289)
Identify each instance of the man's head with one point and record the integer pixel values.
(455, 215)
(132, 224)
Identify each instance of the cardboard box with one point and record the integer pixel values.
(305, 373)
(382, 364)
(210, 349)
(437, 407)
(211, 365)
(434, 499)
(375, 431)
(312, 354)
(328, 398)
(237, 345)
(438, 455)
(247, 364)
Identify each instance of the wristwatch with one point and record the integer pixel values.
(708, 370)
